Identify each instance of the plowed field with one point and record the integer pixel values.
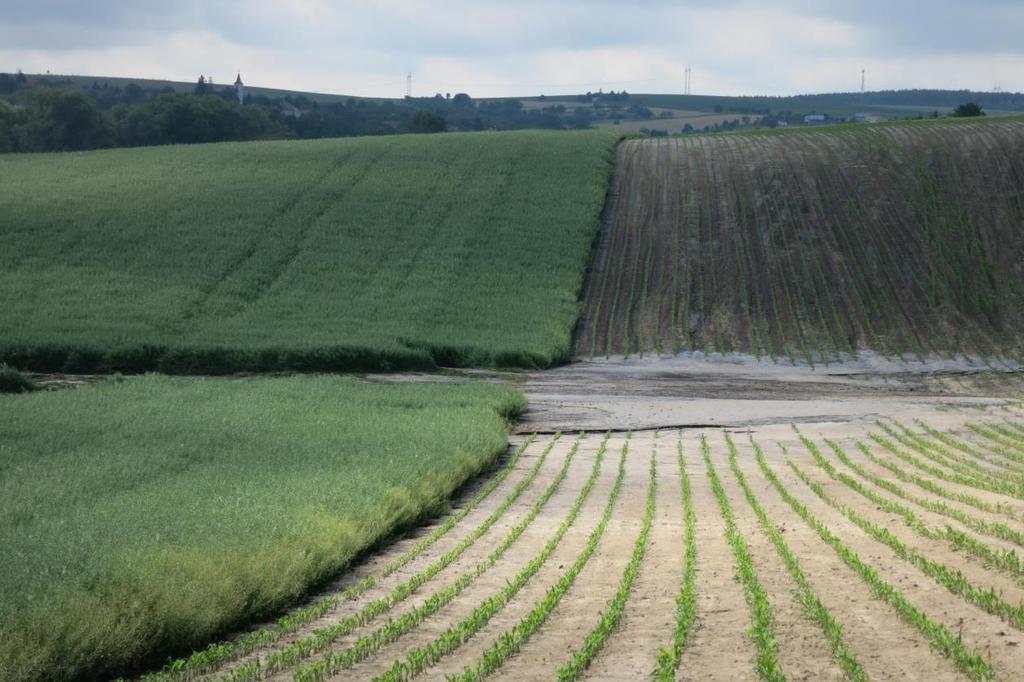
(812, 246)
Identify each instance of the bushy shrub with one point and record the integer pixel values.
(13, 381)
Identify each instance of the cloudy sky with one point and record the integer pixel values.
(492, 47)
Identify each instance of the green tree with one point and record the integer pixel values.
(58, 120)
(7, 83)
(968, 110)
(12, 126)
(427, 122)
(462, 100)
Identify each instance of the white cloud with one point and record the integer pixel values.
(490, 48)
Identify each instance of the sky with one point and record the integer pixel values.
(491, 48)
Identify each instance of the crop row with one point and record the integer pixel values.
(954, 581)
(369, 644)
(805, 596)
(686, 606)
(935, 455)
(577, 664)
(512, 640)
(972, 480)
(1005, 560)
(323, 637)
(993, 529)
(762, 630)
(971, 662)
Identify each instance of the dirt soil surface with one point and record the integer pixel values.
(952, 459)
(812, 244)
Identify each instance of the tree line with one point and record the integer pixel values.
(59, 115)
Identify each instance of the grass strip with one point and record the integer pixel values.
(581, 659)
(220, 653)
(1000, 488)
(320, 638)
(1004, 560)
(968, 661)
(511, 641)
(686, 604)
(804, 594)
(761, 631)
(391, 631)
(986, 599)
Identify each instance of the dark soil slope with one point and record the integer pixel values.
(896, 238)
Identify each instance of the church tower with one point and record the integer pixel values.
(240, 89)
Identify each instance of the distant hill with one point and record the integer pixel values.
(72, 113)
(86, 82)
(845, 103)
(839, 103)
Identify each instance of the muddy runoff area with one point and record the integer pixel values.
(735, 390)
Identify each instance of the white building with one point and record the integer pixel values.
(240, 89)
(814, 119)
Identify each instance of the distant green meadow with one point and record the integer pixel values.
(397, 252)
(148, 515)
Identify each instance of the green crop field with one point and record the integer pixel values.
(382, 253)
(145, 515)
(815, 245)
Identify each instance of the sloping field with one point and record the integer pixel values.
(397, 252)
(149, 515)
(861, 550)
(812, 245)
